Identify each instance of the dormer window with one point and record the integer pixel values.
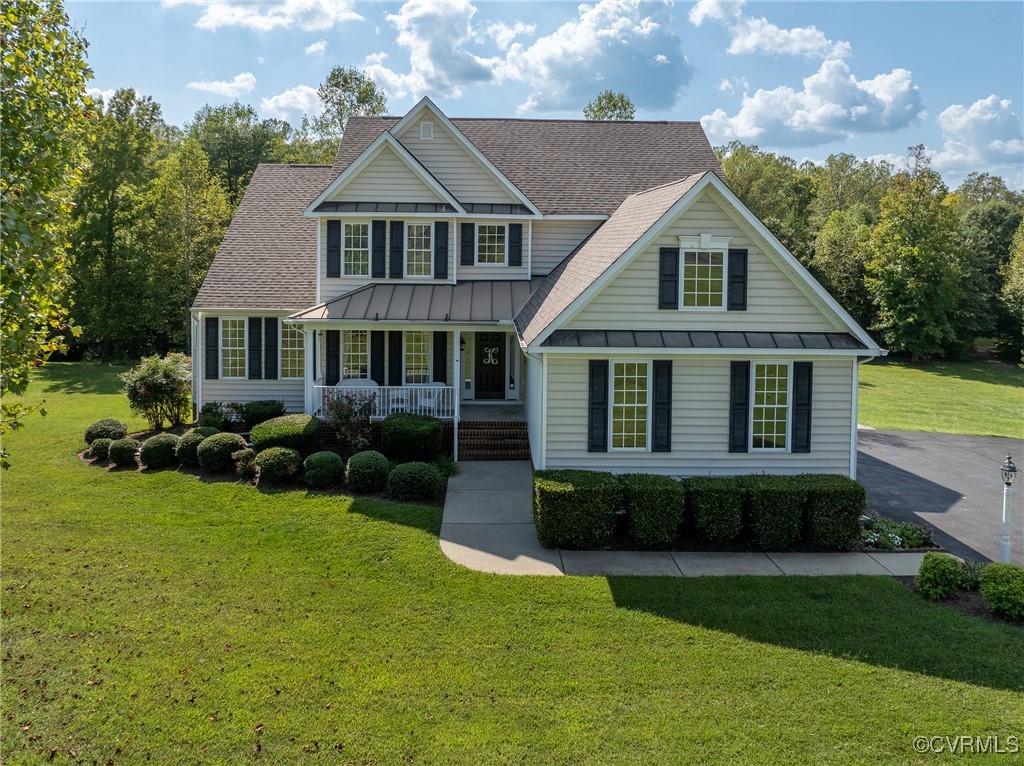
(426, 130)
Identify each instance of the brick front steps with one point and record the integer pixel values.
(493, 440)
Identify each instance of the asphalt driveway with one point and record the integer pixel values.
(945, 481)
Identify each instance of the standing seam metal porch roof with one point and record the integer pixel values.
(470, 301)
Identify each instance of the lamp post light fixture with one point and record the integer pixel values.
(1009, 472)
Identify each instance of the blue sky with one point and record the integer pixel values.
(804, 78)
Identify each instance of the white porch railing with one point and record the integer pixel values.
(434, 400)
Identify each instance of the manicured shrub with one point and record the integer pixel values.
(189, 444)
(939, 575)
(108, 428)
(405, 437)
(278, 464)
(715, 504)
(970, 577)
(575, 509)
(324, 470)
(349, 412)
(215, 452)
(123, 452)
(415, 481)
(775, 509)
(214, 415)
(654, 509)
(100, 448)
(158, 451)
(297, 432)
(367, 472)
(1002, 586)
(446, 465)
(159, 389)
(259, 411)
(834, 506)
(245, 462)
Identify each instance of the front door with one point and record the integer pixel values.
(490, 365)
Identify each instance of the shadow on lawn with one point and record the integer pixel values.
(978, 370)
(80, 378)
(896, 629)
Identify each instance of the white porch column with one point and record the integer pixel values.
(457, 392)
(311, 376)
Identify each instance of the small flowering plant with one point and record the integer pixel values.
(886, 534)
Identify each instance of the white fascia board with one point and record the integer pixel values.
(808, 278)
(384, 139)
(569, 217)
(212, 311)
(428, 105)
(626, 258)
(734, 353)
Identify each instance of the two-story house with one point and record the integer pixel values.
(598, 278)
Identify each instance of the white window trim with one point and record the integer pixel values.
(405, 251)
(476, 248)
(430, 357)
(245, 348)
(705, 243)
(611, 402)
(369, 254)
(281, 327)
(341, 355)
(788, 364)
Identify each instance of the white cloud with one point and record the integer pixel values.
(236, 86)
(292, 103)
(758, 35)
(304, 14)
(260, 60)
(732, 84)
(981, 136)
(101, 93)
(832, 105)
(316, 49)
(503, 34)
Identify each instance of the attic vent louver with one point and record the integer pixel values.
(426, 131)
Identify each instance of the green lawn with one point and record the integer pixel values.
(980, 397)
(165, 618)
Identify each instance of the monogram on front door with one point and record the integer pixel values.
(490, 365)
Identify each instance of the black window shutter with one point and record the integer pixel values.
(441, 250)
(270, 336)
(668, 279)
(441, 357)
(212, 347)
(802, 375)
(395, 358)
(662, 414)
(739, 406)
(255, 348)
(378, 247)
(515, 244)
(333, 358)
(377, 356)
(597, 429)
(467, 244)
(334, 248)
(737, 289)
(397, 267)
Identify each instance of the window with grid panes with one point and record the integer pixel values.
(417, 357)
(357, 249)
(293, 352)
(232, 348)
(703, 279)
(629, 410)
(491, 242)
(355, 354)
(418, 250)
(770, 413)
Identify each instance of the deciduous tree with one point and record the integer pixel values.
(346, 92)
(610, 105)
(841, 252)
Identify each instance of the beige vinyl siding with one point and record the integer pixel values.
(493, 271)
(554, 240)
(386, 178)
(533, 405)
(700, 423)
(454, 166)
(291, 392)
(630, 300)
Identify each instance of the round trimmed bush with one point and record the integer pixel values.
(245, 462)
(415, 481)
(406, 437)
(278, 464)
(324, 470)
(158, 451)
(297, 432)
(367, 472)
(939, 576)
(123, 451)
(99, 448)
(108, 428)
(215, 452)
(186, 451)
(1002, 586)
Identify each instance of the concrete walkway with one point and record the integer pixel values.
(488, 527)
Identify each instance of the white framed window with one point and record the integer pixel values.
(233, 352)
(491, 244)
(630, 410)
(355, 354)
(356, 258)
(293, 352)
(417, 356)
(769, 415)
(704, 267)
(418, 250)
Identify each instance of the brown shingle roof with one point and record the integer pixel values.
(568, 281)
(569, 166)
(268, 257)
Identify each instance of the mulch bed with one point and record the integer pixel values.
(969, 602)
